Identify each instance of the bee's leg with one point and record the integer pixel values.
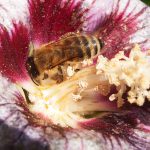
(45, 76)
(60, 74)
(58, 77)
(76, 65)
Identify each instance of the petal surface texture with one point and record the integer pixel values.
(119, 24)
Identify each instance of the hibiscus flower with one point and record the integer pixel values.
(70, 120)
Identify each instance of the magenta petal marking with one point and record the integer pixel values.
(118, 38)
(13, 52)
(51, 19)
(117, 27)
(121, 125)
(117, 30)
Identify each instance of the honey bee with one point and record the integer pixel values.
(48, 61)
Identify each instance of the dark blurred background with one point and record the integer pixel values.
(146, 1)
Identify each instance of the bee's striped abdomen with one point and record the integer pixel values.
(88, 47)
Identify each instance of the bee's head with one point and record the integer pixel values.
(32, 68)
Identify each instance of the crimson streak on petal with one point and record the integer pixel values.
(117, 28)
(13, 52)
(51, 19)
(122, 125)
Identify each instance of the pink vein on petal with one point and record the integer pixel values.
(51, 19)
(117, 27)
(13, 52)
(121, 125)
(118, 32)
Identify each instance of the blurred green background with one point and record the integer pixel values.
(146, 1)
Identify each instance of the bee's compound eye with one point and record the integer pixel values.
(31, 68)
